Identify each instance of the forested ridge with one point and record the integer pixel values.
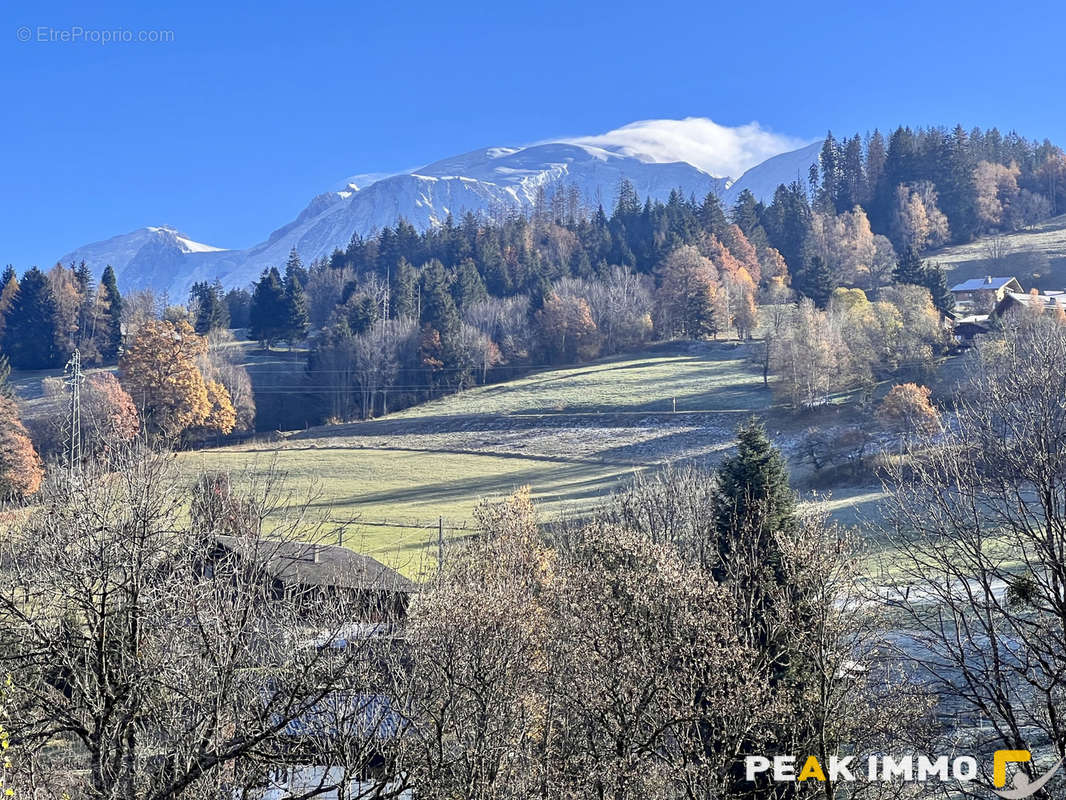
(403, 316)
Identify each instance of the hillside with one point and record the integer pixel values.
(1037, 256)
(572, 434)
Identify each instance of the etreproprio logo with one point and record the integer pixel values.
(908, 769)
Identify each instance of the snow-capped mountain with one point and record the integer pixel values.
(151, 256)
(483, 181)
(763, 179)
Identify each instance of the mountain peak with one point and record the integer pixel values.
(484, 181)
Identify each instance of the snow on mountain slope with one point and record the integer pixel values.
(150, 256)
(485, 180)
(763, 179)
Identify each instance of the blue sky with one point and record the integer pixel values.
(230, 128)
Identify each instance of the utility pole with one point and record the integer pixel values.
(74, 379)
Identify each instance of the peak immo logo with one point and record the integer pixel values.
(907, 769)
(1022, 787)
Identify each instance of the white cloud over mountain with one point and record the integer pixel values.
(718, 149)
(656, 156)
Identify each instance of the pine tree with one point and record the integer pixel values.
(296, 320)
(29, 329)
(438, 306)
(712, 218)
(747, 212)
(754, 506)
(267, 312)
(110, 333)
(909, 268)
(211, 309)
(403, 292)
(238, 304)
(753, 491)
(468, 287)
(9, 285)
(937, 284)
(815, 281)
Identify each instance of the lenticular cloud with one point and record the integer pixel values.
(720, 150)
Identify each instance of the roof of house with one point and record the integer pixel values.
(988, 282)
(1050, 299)
(310, 564)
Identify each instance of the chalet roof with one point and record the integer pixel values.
(1049, 299)
(310, 564)
(988, 282)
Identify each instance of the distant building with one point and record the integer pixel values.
(983, 294)
(969, 327)
(1013, 301)
(306, 572)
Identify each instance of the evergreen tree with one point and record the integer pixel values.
(831, 165)
(238, 305)
(468, 287)
(266, 315)
(9, 285)
(363, 312)
(753, 496)
(110, 332)
(815, 281)
(438, 306)
(788, 224)
(712, 218)
(211, 310)
(294, 268)
(403, 294)
(296, 320)
(29, 329)
(937, 284)
(853, 186)
(754, 507)
(747, 212)
(910, 269)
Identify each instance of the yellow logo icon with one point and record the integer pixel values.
(1022, 787)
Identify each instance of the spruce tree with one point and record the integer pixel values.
(468, 287)
(937, 283)
(438, 306)
(712, 218)
(110, 335)
(238, 303)
(212, 312)
(910, 269)
(9, 285)
(753, 493)
(815, 281)
(403, 290)
(29, 330)
(266, 314)
(747, 212)
(296, 320)
(754, 507)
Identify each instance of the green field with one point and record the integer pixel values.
(571, 434)
(1037, 257)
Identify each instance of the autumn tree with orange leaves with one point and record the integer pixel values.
(907, 407)
(21, 471)
(161, 373)
(567, 328)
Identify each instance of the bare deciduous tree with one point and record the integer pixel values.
(980, 527)
(147, 663)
